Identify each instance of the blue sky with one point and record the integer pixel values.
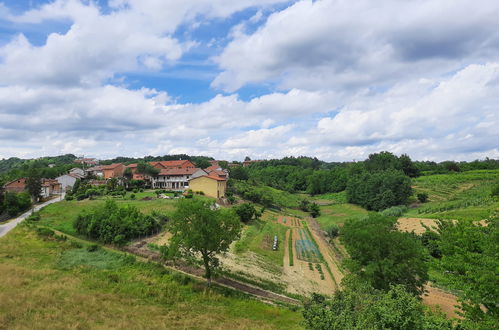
(265, 78)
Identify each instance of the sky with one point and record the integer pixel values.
(332, 79)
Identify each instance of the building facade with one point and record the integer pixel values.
(176, 178)
(212, 186)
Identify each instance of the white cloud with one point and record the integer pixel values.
(328, 44)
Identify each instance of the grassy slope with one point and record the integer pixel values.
(57, 285)
(253, 240)
(460, 196)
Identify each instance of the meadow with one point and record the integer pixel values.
(60, 284)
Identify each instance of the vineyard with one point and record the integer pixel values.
(458, 195)
(306, 248)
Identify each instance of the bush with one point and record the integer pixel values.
(394, 211)
(247, 212)
(105, 222)
(315, 211)
(333, 231)
(92, 247)
(69, 198)
(132, 196)
(45, 232)
(34, 217)
(422, 197)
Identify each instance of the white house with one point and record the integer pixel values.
(176, 178)
(67, 181)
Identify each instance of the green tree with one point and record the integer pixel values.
(358, 306)
(34, 185)
(239, 173)
(379, 190)
(198, 229)
(315, 211)
(247, 212)
(203, 163)
(147, 169)
(384, 256)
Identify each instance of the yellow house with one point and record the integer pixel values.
(210, 185)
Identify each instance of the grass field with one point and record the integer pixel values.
(59, 285)
(460, 196)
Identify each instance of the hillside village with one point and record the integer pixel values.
(172, 175)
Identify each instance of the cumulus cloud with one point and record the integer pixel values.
(344, 44)
(340, 80)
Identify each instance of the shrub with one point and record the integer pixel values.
(394, 211)
(422, 197)
(132, 196)
(34, 217)
(45, 232)
(315, 211)
(105, 222)
(92, 247)
(69, 197)
(333, 231)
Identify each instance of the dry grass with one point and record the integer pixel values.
(36, 292)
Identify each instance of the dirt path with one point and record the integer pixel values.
(326, 250)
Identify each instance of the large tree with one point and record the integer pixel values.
(199, 229)
(384, 256)
(34, 185)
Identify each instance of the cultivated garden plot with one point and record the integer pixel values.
(306, 249)
(289, 221)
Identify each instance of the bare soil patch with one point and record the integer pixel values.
(415, 224)
(447, 302)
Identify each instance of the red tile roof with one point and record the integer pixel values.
(170, 163)
(131, 166)
(178, 171)
(111, 167)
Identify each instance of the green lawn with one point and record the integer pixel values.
(338, 213)
(59, 285)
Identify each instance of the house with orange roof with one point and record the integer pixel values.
(176, 178)
(112, 171)
(170, 164)
(211, 185)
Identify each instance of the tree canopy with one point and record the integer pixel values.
(358, 306)
(384, 256)
(197, 228)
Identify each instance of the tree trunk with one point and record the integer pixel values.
(207, 269)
